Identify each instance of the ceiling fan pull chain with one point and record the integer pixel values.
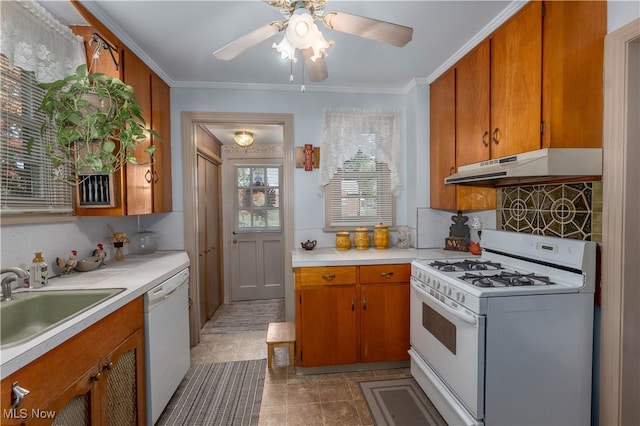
(302, 88)
(291, 76)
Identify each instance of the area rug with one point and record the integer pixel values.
(238, 317)
(227, 393)
(400, 402)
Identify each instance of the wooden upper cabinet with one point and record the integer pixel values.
(161, 123)
(573, 68)
(139, 176)
(536, 82)
(472, 86)
(442, 138)
(444, 145)
(516, 83)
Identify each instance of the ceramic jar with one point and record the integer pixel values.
(381, 236)
(343, 240)
(361, 239)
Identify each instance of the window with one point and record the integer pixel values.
(358, 167)
(27, 181)
(359, 194)
(258, 207)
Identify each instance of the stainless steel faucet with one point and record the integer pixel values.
(6, 281)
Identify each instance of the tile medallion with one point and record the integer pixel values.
(572, 210)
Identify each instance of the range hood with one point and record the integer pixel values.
(543, 165)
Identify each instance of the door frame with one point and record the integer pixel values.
(618, 246)
(190, 120)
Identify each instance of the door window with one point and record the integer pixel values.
(258, 206)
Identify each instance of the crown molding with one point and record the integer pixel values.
(507, 13)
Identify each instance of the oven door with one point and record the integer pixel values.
(451, 340)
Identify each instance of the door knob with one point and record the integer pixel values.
(235, 241)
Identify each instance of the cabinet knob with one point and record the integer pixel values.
(495, 136)
(353, 303)
(364, 303)
(108, 367)
(328, 277)
(386, 274)
(96, 377)
(485, 136)
(156, 176)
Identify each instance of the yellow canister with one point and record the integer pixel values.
(361, 238)
(343, 240)
(381, 236)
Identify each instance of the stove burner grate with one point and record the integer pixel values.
(505, 279)
(465, 265)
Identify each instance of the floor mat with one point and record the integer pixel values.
(400, 402)
(227, 393)
(238, 317)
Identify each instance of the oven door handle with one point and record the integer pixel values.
(464, 317)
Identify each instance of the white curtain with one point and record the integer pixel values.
(349, 130)
(32, 39)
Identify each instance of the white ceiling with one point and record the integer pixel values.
(177, 40)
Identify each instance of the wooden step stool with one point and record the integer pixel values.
(281, 334)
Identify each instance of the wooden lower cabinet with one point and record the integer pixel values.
(352, 314)
(95, 378)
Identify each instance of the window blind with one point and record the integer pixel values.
(359, 194)
(27, 178)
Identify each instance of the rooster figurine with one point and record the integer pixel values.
(67, 266)
(100, 254)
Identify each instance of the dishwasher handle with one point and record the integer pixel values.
(167, 288)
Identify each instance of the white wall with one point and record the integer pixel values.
(307, 109)
(622, 12)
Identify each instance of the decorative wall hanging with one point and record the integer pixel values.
(307, 157)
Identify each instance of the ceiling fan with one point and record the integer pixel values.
(302, 33)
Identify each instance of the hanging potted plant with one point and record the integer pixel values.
(98, 125)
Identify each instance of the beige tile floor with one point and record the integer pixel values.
(293, 399)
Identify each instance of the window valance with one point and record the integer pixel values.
(347, 131)
(33, 40)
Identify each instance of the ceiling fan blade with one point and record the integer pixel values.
(317, 69)
(373, 29)
(238, 46)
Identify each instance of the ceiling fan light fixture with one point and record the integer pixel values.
(302, 33)
(243, 138)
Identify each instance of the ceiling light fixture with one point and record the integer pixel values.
(243, 138)
(302, 33)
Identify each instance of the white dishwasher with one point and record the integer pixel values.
(166, 330)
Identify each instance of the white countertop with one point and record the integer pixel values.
(329, 256)
(137, 274)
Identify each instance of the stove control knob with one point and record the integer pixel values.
(437, 284)
(461, 297)
(448, 291)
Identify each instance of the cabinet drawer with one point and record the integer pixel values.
(371, 274)
(325, 275)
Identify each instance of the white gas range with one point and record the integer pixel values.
(507, 338)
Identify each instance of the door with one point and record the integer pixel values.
(209, 256)
(257, 249)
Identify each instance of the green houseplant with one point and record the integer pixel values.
(98, 125)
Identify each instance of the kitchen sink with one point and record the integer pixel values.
(34, 312)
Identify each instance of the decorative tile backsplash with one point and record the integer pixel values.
(572, 210)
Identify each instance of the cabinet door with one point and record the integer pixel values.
(139, 177)
(384, 326)
(472, 105)
(124, 402)
(161, 123)
(328, 326)
(442, 140)
(516, 83)
(79, 404)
